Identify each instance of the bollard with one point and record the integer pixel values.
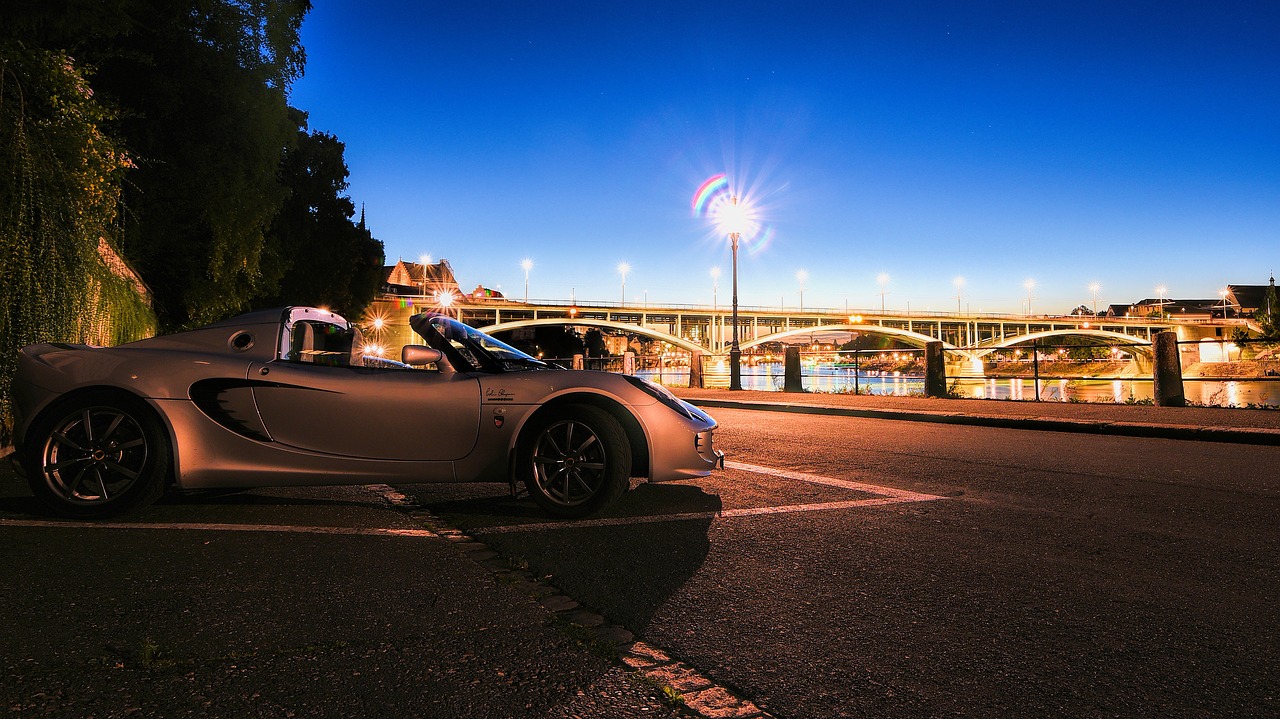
(1167, 371)
(791, 371)
(577, 362)
(935, 371)
(628, 363)
(695, 370)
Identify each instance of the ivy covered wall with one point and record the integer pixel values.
(60, 190)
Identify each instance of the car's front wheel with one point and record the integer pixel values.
(96, 456)
(575, 460)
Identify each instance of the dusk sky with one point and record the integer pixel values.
(1131, 144)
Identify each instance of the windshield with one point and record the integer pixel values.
(477, 348)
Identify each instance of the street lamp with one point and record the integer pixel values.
(1223, 294)
(883, 279)
(1160, 299)
(801, 276)
(734, 219)
(715, 289)
(1094, 289)
(959, 283)
(623, 269)
(1029, 284)
(526, 264)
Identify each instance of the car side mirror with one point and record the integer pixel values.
(420, 355)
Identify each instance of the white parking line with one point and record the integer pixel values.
(285, 528)
(886, 496)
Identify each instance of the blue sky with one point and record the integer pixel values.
(1131, 144)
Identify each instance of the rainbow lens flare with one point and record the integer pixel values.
(714, 186)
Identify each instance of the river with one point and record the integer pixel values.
(768, 376)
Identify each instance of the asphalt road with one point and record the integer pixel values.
(839, 567)
(280, 603)
(1043, 574)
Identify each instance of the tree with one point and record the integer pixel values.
(321, 256)
(201, 88)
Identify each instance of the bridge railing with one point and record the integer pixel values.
(834, 313)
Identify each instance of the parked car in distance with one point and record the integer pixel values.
(290, 397)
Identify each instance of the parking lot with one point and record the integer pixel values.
(836, 567)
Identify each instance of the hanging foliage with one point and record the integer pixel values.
(59, 201)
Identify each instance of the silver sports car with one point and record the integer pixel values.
(290, 397)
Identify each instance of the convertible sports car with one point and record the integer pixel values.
(289, 397)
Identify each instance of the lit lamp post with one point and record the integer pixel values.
(801, 276)
(526, 264)
(1030, 285)
(1094, 289)
(1223, 294)
(623, 269)
(883, 279)
(959, 283)
(1160, 299)
(734, 219)
(715, 289)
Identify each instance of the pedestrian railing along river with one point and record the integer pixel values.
(1215, 373)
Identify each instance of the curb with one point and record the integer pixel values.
(1268, 437)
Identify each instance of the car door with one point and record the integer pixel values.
(368, 412)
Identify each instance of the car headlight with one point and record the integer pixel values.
(663, 395)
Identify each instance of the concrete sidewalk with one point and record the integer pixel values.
(1212, 424)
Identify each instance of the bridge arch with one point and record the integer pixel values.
(680, 342)
(913, 338)
(1143, 345)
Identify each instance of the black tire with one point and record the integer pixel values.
(97, 455)
(574, 460)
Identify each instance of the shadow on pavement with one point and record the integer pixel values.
(623, 569)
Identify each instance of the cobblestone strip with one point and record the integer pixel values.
(699, 694)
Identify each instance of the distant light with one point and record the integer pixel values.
(526, 264)
(444, 298)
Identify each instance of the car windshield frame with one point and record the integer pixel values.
(469, 346)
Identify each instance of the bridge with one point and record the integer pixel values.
(708, 329)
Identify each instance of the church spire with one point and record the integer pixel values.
(361, 225)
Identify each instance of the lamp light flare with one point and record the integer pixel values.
(734, 218)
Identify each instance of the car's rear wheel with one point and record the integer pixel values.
(575, 460)
(97, 455)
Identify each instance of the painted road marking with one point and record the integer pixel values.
(283, 528)
(885, 496)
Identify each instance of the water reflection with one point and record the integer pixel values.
(768, 376)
